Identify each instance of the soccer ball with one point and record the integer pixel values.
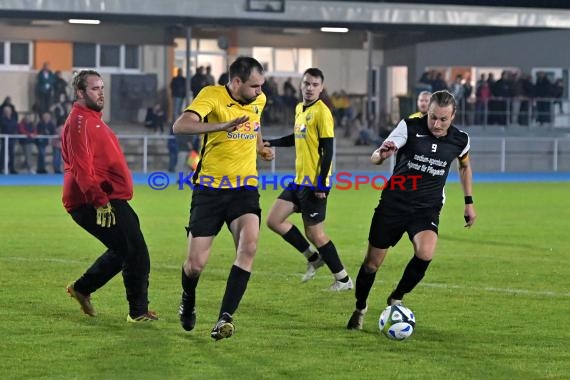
(397, 322)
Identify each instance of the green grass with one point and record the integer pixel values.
(493, 305)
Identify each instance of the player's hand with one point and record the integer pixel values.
(106, 216)
(387, 149)
(320, 194)
(266, 143)
(469, 215)
(266, 153)
(234, 124)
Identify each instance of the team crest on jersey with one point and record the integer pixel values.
(256, 126)
(309, 116)
(256, 110)
(300, 131)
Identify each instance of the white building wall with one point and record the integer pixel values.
(345, 69)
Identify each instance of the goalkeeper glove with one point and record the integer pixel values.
(105, 216)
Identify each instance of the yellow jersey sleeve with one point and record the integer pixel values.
(206, 102)
(325, 121)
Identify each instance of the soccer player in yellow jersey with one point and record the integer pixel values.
(422, 103)
(313, 139)
(228, 117)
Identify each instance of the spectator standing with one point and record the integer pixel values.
(46, 126)
(172, 147)
(224, 79)
(28, 128)
(45, 88)
(8, 126)
(56, 149)
(178, 93)
(198, 81)
(209, 78)
(59, 87)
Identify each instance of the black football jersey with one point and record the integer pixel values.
(422, 165)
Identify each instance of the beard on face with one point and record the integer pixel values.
(91, 104)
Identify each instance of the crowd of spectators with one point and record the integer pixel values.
(514, 98)
(40, 127)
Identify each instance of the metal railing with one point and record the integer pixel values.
(515, 112)
(493, 154)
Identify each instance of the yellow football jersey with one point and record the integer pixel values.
(228, 159)
(415, 115)
(311, 123)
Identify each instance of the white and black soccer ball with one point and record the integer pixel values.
(397, 322)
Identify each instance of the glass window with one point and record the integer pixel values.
(305, 59)
(19, 53)
(209, 45)
(265, 56)
(110, 56)
(84, 55)
(286, 60)
(131, 57)
(1, 52)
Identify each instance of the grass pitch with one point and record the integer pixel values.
(493, 305)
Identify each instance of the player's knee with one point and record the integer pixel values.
(247, 249)
(371, 266)
(272, 224)
(193, 268)
(317, 238)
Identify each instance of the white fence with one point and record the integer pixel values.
(489, 154)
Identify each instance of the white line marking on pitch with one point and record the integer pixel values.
(273, 274)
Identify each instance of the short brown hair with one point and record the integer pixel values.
(80, 79)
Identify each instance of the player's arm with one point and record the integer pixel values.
(81, 163)
(264, 151)
(466, 178)
(190, 123)
(326, 147)
(284, 141)
(395, 140)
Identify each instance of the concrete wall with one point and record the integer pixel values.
(104, 33)
(523, 50)
(345, 69)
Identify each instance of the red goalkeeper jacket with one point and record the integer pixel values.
(95, 167)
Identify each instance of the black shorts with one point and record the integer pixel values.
(313, 209)
(210, 208)
(387, 228)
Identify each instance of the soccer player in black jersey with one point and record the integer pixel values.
(424, 148)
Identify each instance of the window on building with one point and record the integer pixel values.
(19, 53)
(203, 52)
(131, 57)
(84, 55)
(15, 55)
(284, 61)
(114, 58)
(110, 56)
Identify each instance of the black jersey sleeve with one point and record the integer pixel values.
(288, 140)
